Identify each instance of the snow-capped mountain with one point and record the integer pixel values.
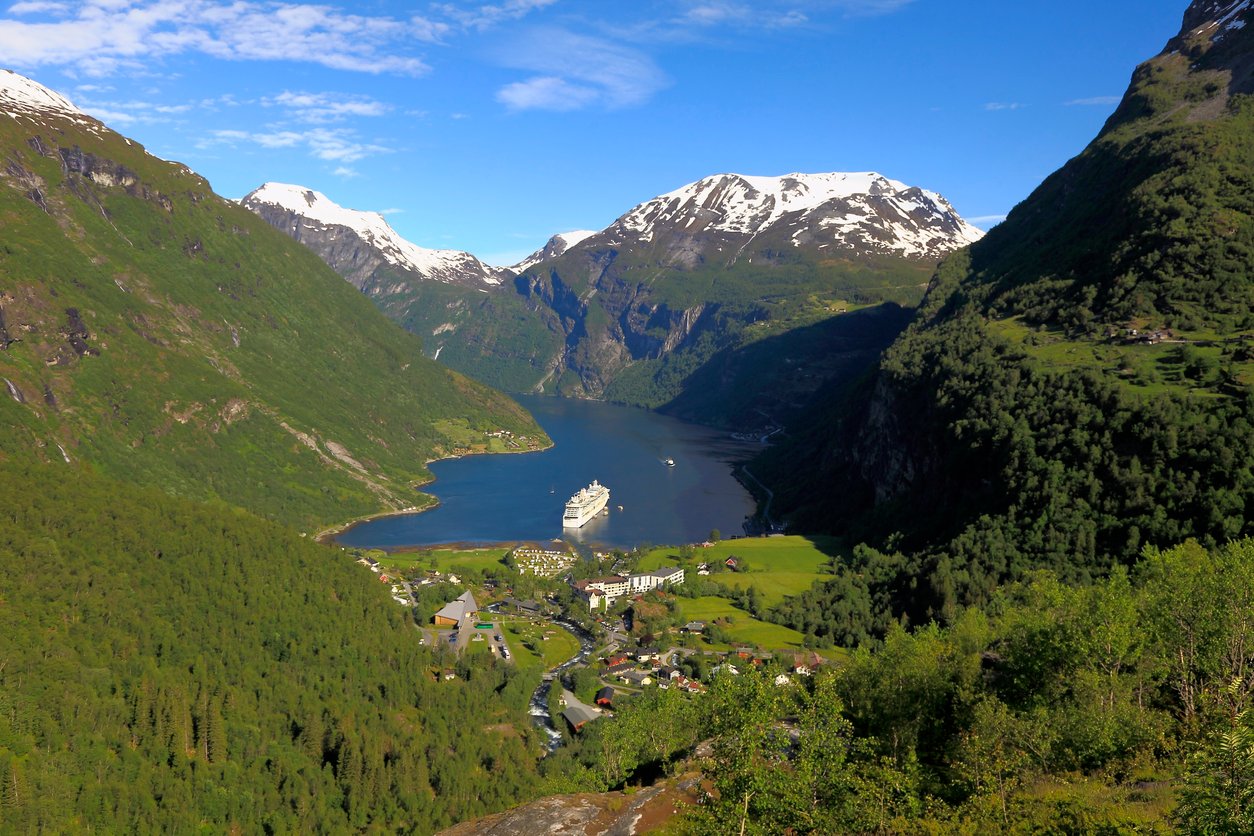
(860, 213)
(357, 244)
(23, 98)
(558, 244)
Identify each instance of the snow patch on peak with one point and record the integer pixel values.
(1217, 17)
(558, 244)
(372, 228)
(750, 202)
(24, 97)
(853, 209)
(574, 237)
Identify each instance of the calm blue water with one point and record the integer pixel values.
(521, 497)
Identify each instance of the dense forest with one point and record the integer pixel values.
(1023, 467)
(1076, 385)
(167, 666)
(1120, 706)
(172, 338)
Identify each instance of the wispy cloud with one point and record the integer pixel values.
(869, 7)
(986, 220)
(573, 71)
(486, 16)
(131, 111)
(1095, 101)
(1004, 106)
(101, 36)
(326, 107)
(333, 145)
(35, 7)
(726, 12)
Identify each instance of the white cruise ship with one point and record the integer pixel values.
(585, 505)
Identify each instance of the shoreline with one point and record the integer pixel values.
(327, 535)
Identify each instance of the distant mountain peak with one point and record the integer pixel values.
(858, 211)
(24, 97)
(1221, 16)
(290, 207)
(558, 244)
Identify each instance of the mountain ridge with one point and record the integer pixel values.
(168, 336)
(312, 214)
(852, 211)
(614, 313)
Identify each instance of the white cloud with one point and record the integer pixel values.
(34, 7)
(100, 37)
(573, 71)
(391, 211)
(1095, 101)
(486, 16)
(326, 144)
(326, 107)
(130, 112)
(986, 220)
(1004, 106)
(546, 93)
(726, 12)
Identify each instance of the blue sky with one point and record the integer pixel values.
(488, 127)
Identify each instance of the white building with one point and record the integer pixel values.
(602, 592)
(645, 581)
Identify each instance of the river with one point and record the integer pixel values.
(521, 496)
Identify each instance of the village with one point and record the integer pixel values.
(597, 640)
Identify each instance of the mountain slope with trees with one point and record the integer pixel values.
(1078, 384)
(170, 337)
(169, 666)
(671, 306)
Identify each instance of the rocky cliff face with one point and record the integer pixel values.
(681, 275)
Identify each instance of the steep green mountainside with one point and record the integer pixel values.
(1152, 227)
(644, 332)
(172, 338)
(1079, 383)
(168, 666)
(496, 338)
(670, 306)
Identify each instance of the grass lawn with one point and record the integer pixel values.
(745, 628)
(446, 560)
(559, 647)
(778, 566)
(1143, 368)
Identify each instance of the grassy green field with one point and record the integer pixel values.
(778, 566)
(1146, 369)
(445, 560)
(745, 628)
(520, 633)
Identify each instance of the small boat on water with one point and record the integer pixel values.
(669, 462)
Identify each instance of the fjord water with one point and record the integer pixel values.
(521, 497)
